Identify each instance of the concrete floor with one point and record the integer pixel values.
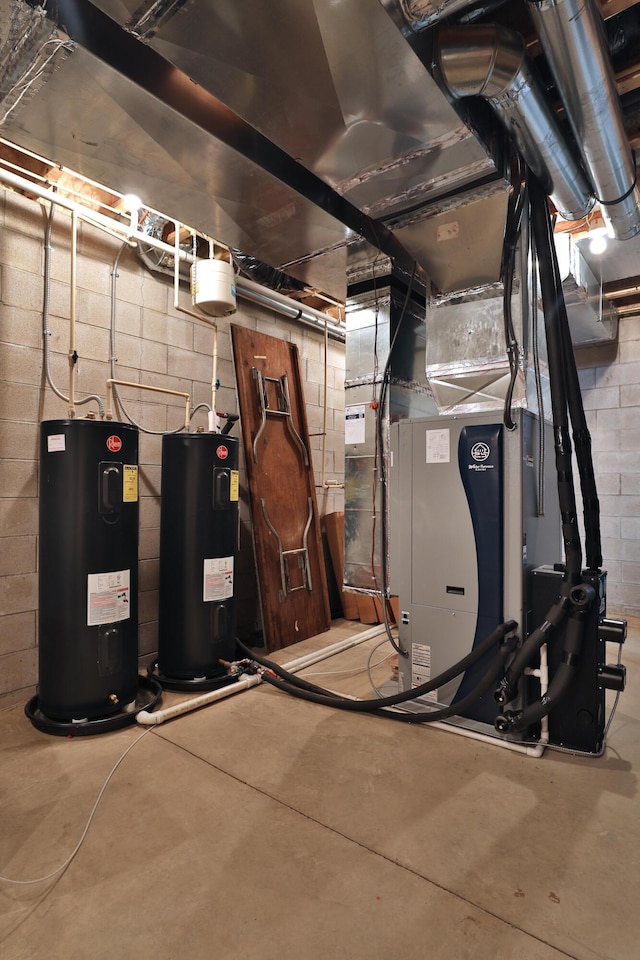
(264, 827)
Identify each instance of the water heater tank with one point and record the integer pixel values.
(198, 538)
(88, 580)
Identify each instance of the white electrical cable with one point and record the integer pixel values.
(26, 84)
(351, 670)
(87, 825)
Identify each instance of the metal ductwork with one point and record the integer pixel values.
(490, 61)
(573, 39)
(413, 16)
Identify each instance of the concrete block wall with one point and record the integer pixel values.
(156, 345)
(610, 379)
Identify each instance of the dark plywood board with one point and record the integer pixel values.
(279, 477)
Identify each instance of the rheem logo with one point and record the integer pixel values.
(223, 453)
(114, 443)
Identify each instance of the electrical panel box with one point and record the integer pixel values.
(473, 510)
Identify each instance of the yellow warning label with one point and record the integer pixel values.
(129, 483)
(234, 485)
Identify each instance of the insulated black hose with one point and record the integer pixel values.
(507, 688)
(581, 434)
(425, 716)
(555, 352)
(543, 235)
(514, 721)
(365, 705)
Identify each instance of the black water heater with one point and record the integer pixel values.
(88, 580)
(198, 539)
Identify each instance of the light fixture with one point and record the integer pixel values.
(598, 241)
(131, 202)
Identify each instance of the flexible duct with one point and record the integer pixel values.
(572, 36)
(490, 61)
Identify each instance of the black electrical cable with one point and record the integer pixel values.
(293, 680)
(425, 716)
(516, 206)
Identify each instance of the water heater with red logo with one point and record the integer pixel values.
(88, 579)
(198, 545)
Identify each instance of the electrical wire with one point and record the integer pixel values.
(370, 665)
(515, 208)
(46, 333)
(113, 359)
(76, 849)
(25, 85)
(379, 420)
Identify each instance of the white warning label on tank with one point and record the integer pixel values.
(421, 669)
(55, 442)
(108, 597)
(217, 580)
(438, 446)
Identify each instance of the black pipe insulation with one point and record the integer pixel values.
(507, 688)
(555, 351)
(556, 329)
(581, 434)
(515, 721)
(424, 716)
(497, 636)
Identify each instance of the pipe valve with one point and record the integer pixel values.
(504, 692)
(507, 721)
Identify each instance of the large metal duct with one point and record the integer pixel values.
(490, 61)
(413, 16)
(572, 36)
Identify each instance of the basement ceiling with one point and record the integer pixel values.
(287, 130)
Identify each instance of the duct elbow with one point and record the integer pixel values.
(480, 61)
(490, 61)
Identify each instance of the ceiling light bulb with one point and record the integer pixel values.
(598, 244)
(131, 202)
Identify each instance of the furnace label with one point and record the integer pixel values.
(421, 669)
(354, 424)
(129, 483)
(438, 446)
(108, 597)
(217, 579)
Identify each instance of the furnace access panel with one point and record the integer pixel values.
(473, 509)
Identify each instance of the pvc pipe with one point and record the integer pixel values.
(159, 716)
(542, 673)
(148, 719)
(529, 750)
(247, 289)
(326, 485)
(294, 666)
(143, 386)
